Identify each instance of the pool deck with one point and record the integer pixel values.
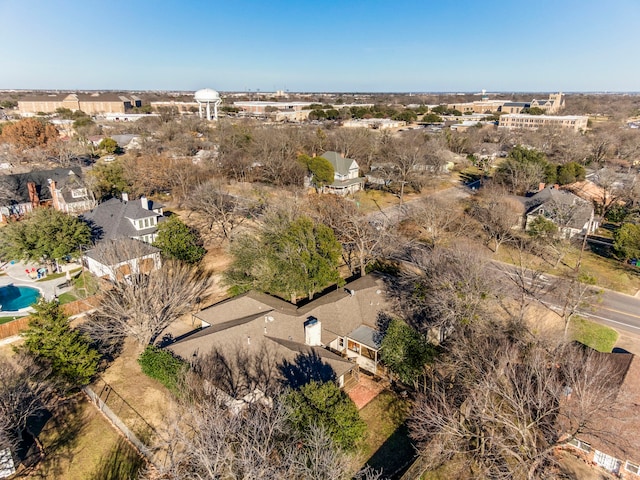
(15, 274)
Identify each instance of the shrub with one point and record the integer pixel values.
(162, 365)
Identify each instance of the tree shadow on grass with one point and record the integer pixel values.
(59, 436)
(395, 455)
(121, 463)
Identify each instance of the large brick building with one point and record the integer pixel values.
(89, 103)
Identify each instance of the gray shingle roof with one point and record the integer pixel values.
(248, 319)
(62, 176)
(114, 218)
(340, 164)
(561, 206)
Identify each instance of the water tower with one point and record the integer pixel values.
(208, 97)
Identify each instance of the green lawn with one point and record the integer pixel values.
(85, 285)
(66, 297)
(53, 276)
(592, 334)
(9, 319)
(387, 445)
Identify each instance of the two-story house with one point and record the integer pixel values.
(571, 214)
(119, 217)
(119, 225)
(346, 175)
(60, 188)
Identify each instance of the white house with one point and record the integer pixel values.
(120, 258)
(346, 175)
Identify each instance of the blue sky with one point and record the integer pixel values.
(321, 45)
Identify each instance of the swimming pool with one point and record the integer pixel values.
(13, 298)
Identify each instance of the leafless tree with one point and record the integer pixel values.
(407, 158)
(275, 152)
(499, 216)
(504, 415)
(437, 220)
(361, 144)
(213, 202)
(529, 285)
(142, 306)
(208, 439)
(443, 288)
(569, 293)
(362, 242)
(613, 189)
(24, 392)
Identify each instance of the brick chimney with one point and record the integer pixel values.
(33, 194)
(54, 194)
(541, 186)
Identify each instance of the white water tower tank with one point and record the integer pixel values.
(208, 97)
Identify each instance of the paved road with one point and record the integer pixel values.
(612, 308)
(615, 309)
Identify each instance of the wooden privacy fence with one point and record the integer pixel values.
(77, 307)
(14, 327)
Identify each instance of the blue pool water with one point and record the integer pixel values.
(14, 298)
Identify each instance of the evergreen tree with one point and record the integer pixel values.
(405, 352)
(67, 351)
(45, 234)
(327, 406)
(177, 240)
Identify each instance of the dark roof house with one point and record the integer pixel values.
(569, 212)
(118, 217)
(61, 188)
(322, 329)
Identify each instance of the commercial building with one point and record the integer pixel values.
(523, 120)
(374, 123)
(89, 103)
(263, 107)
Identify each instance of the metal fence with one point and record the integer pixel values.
(107, 394)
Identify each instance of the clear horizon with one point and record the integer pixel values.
(325, 47)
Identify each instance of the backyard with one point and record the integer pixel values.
(387, 445)
(80, 444)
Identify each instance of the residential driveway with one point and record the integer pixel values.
(16, 274)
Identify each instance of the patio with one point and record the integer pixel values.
(364, 391)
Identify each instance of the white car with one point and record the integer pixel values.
(109, 158)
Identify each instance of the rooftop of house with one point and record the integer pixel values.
(619, 429)
(113, 217)
(340, 164)
(18, 182)
(249, 319)
(575, 211)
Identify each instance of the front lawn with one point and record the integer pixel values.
(608, 272)
(387, 445)
(599, 337)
